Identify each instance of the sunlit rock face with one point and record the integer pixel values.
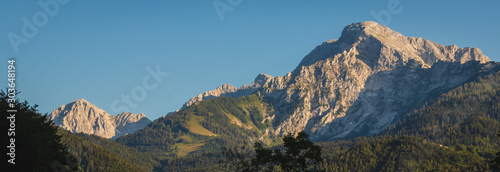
(361, 83)
(82, 116)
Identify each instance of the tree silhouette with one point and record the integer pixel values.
(300, 153)
(238, 157)
(38, 147)
(297, 154)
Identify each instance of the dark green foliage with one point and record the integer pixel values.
(93, 157)
(97, 154)
(198, 163)
(265, 159)
(38, 147)
(405, 154)
(237, 157)
(495, 163)
(297, 154)
(300, 153)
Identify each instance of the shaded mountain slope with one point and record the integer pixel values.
(455, 132)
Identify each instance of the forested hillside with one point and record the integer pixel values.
(205, 127)
(456, 132)
(404, 154)
(99, 154)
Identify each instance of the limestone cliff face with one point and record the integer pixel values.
(127, 122)
(82, 116)
(363, 82)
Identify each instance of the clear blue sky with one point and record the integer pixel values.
(99, 50)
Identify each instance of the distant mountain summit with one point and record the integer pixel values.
(382, 48)
(82, 116)
(361, 83)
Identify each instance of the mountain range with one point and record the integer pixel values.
(357, 85)
(361, 83)
(372, 98)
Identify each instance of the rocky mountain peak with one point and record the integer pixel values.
(81, 116)
(129, 117)
(78, 106)
(226, 88)
(384, 49)
(362, 82)
(128, 122)
(362, 30)
(81, 103)
(220, 90)
(261, 80)
(363, 36)
(81, 100)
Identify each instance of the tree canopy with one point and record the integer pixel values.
(298, 153)
(38, 146)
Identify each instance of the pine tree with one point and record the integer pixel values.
(38, 147)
